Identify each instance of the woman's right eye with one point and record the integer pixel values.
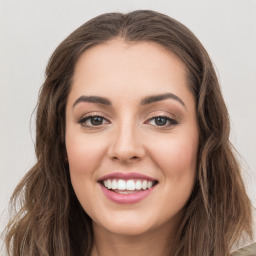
(93, 121)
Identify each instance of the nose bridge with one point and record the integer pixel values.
(126, 144)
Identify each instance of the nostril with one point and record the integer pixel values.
(125, 159)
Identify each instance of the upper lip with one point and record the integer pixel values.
(126, 176)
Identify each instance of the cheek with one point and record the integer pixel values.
(84, 157)
(177, 159)
(84, 154)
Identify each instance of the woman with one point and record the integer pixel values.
(132, 145)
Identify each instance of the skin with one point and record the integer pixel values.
(130, 140)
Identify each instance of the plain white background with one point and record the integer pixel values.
(30, 31)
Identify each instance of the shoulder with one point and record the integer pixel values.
(249, 250)
(245, 246)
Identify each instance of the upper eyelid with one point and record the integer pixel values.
(93, 114)
(161, 114)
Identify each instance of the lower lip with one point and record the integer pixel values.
(126, 198)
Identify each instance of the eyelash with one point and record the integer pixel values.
(168, 119)
(89, 117)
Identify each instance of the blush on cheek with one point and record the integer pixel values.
(76, 158)
(83, 157)
(80, 165)
(179, 157)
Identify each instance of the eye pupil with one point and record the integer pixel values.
(96, 120)
(160, 121)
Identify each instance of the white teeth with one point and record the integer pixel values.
(138, 185)
(114, 184)
(121, 185)
(109, 184)
(127, 185)
(150, 184)
(126, 192)
(144, 185)
(130, 185)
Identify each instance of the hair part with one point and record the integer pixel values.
(52, 222)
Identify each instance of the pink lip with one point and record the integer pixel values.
(126, 198)
(126, 176)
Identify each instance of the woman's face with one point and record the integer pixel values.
(131, 137)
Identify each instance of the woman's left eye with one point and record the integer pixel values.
(93, 121)
(162, 121)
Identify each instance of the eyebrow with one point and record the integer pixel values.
(155, 98)
(145, 101)
(92, 99)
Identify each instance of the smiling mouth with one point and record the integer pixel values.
(129, 186)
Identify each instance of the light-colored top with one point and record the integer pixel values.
(246, 251)
(245, 246)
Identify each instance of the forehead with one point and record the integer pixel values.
(119, 53)
(135, 69)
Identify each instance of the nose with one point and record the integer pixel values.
(126, 145)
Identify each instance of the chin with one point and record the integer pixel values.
(126, 228)
(132, 223)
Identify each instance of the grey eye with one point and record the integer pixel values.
(162, 121)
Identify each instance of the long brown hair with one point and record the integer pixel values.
(52, 222)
